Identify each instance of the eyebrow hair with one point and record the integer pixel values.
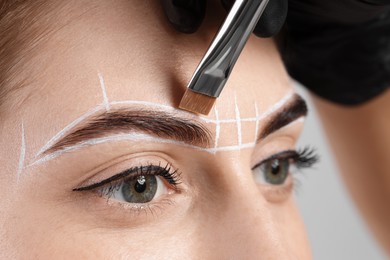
(156, 123)
(295, 109)
(166, 125)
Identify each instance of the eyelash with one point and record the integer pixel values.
(172, 176)
(303, 158)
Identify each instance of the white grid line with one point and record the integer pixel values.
(257, 122)
(61, 133)
(138, 137)
(217, 126)
(107, 105)
(22, 154)
(238, 121)
(104, 92)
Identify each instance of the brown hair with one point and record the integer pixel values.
(23, 26)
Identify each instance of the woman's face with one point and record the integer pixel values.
(100, 163)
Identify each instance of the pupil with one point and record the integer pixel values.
(140, 185)
(275, 167)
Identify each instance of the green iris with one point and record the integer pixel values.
(276, 171)
(140, 190)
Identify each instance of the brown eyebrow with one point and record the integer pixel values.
(295, 109)
(166, 125)
(156, 123)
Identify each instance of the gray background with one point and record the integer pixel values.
(334, 226)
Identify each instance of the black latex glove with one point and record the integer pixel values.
(187, 15)
(339, 49)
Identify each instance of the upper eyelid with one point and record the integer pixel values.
(136, 171)
(106, 181)
(284, 154)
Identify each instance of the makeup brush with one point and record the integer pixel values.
(214, 69)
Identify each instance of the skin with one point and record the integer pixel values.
(220, 211)
(354, 132)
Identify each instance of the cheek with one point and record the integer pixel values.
(292, 229)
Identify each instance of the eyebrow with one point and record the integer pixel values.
(295, 109)
(155, 123)
(165, 125)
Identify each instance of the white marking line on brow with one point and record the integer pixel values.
(114, 138)
(66, 129)
(238, 121)
(257, 122)
(217, 127)
(135, 137)
(230, 148)
(148, 138)
(22, 154)
(278, 105)
(104, 92)
(144, 103)
(258, 117)
(269, 111)
(60, 134)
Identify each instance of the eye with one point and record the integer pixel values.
(274, 172)
(141, 189)
(276, 169)
(137, 185)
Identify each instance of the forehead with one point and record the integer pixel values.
(117, 57)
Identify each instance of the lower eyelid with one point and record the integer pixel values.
(278, 193)
(115, 214)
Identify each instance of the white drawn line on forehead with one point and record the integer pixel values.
(217, 126)
(269, 111)
(73, 124)
(106, 103)
(67, 128)
(238, 120)
(257, 122)
(139, 137)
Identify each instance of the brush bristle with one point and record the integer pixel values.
(196, 102)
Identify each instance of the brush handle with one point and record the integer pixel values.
(214, 70)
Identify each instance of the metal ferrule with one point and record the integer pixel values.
(214, 70)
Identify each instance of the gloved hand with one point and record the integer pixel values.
(187, 15)
(339, 49)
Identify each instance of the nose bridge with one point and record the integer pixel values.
(243, 227)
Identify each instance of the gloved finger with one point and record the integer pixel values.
(376, 2)
(227, 4)
(340, 12)
(272, 19)
(185, 15)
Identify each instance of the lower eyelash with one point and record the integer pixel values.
(139, 210)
